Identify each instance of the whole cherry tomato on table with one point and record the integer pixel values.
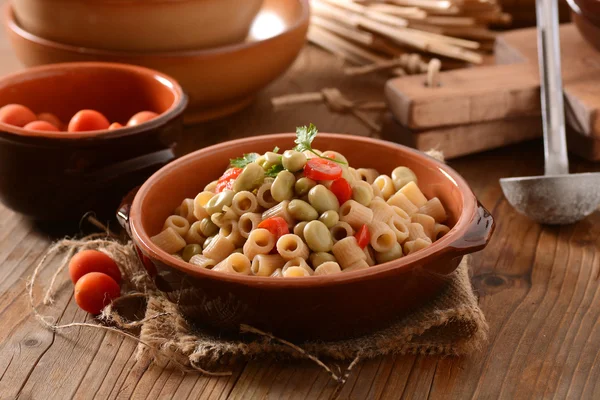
(342, 190)
(320, 169)
(41, 126)
(141, 117)
(50, 118)
(94, 291)
(87, 261)
(88, 120)
(114, 125)
(17, 115)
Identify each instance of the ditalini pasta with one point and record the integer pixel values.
(302, 213)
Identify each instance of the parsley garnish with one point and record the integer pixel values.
(274, 170)
(304, 138)
(246, 159)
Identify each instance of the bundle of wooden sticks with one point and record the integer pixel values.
(403, 35)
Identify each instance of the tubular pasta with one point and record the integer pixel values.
(291, 246)
(260, 241)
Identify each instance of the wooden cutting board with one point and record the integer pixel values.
(477, 99)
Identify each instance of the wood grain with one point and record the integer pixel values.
(538, 287)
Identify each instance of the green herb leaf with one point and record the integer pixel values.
(276, 149)
(304, 138)
(274, 170)
(246, 159)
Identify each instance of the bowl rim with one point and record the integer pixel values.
(409, 262)
(179, 103)
(11, 24)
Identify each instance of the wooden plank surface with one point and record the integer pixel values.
(538, 287)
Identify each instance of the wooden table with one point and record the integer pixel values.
(538, 286)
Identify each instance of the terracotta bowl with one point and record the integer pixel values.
(326, 307)
(139, 25)
(586, 16)
(218, 81)
(61, 175)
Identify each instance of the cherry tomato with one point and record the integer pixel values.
(88, 120)
(276, 225)
(17, 115)
(342, 190)
(363, 237)
(114, 125)
(94, 291)
(41, 126)
(319, 169)
(87, 261)
(226, 181)
(50, 118)
(141, 117)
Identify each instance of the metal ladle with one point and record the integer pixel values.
(557, 197)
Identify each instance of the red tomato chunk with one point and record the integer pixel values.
(320, 169)
(342, 190)
(363, 237)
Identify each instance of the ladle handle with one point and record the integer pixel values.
(555, 141)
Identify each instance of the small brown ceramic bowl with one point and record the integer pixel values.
(316, 307)
(139, 25)
(218, 81)
(58, 175)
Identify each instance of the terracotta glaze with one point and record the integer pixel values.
(139, 25)
(317, 307)
(61, 175)
(218, 81)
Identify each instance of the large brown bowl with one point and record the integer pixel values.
(139, 25)
(61, 175)
(218, 81)
(324, 307)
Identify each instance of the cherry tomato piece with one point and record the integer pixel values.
(87, 261)
(141, 117)
(342, 190)
(363, 237)
(276, 225)
(41, 126)
(226, 181)
(320, 169)
(88, 120)
(94, 291)
(50, 118)
(17, 115)
(114, 125)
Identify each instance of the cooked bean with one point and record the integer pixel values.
(190, 251)
(317, 236)
(320, 257)
(299, 229)
(283, 186)
(322, 199)
(329, 218)
(293, 161)
(251, 177)
(401, 176)
(302, 211)
(362, 193)
(303, 186)
(216, 203)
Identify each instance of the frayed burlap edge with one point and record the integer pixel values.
(450, 325)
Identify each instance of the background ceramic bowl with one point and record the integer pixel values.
(139, 25)
(324, 307)
(586, 16)
(61, 175)
(218, 81)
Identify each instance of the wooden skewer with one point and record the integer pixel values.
(442, 5)
(362, 37)
(364, 11)
(404, 12)
(339, 43)
(315, 37)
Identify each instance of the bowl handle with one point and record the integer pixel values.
(125, 208)
(476, 237)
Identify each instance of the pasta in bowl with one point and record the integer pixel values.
(330, 304)
(302, 213)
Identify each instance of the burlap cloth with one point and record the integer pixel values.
(450, 325)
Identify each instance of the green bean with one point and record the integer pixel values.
(329, 218)
(251, 177)
(394, 253)
(293, 160)
(190, 251)
(283, 186)
(303, 186)
(299, 229)
(208, 228)
(262, 161)
(317, 236)
(322, 199)
(302, 211)
(273, 158)
(320, 257)
(216, 203)
(362, 193)
(401, 176)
